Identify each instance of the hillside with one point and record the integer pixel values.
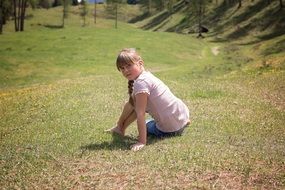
(60, 89)
(255, 18)
(256, 26)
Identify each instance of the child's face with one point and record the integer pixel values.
(132, 71)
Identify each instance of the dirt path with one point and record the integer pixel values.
(215, 50)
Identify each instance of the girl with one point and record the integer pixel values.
(150, 95)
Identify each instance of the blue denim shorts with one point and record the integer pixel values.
(154, 131)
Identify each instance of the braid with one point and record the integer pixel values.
(130, 91)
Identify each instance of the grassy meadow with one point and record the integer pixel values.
(60, 90)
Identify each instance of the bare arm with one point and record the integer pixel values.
(140, 107)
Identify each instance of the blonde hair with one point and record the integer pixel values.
(127, 56)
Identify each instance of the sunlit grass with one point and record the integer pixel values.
(60, 89)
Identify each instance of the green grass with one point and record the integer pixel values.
(60, 89)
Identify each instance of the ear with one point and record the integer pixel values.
(141, 62)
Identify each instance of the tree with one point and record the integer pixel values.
(1, 16)
(95, 11)
(44, 4)
(281, 4)
(113, 6)
(65, 11)
(239, 4)
(75, 2)
(56, 3)
(116, 23)
(170, 5)
(19, 14)
(200, 14)
(154, 5)
(199, 7)
(84, 11)
(160, 4)
(149, 6)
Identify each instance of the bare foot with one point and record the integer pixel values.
(115, 130)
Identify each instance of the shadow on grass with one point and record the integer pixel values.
(156, 21)
(139, 18)
(53, 26)
(117, 143)
(267, 25)
(278, 47)
(163, 17)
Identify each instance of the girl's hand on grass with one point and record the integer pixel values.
(138, 146)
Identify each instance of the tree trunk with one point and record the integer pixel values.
(23, 12)
(95, 11)
(22, 16)
(84, 20)
(281, 4)
(116, 22)
(15, 15)
(149, 6)
(64, 14)
(1, 28)
(1, 17)
(62, 25)
(200, 21)
(56, 3)
(19, 14)
(239, 4)
(226, 2)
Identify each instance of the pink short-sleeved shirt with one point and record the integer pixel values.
(169, 112)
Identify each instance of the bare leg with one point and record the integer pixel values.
(127, 111)
(131, 118)
(128, 116)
